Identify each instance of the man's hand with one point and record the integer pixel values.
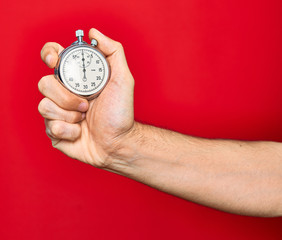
(89, 131)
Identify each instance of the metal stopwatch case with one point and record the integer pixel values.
(82, 68)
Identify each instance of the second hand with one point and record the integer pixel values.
(84, 70)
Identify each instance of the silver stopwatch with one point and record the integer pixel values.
(82, 68)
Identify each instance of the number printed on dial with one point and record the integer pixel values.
(84, 70)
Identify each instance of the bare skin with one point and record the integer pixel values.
(233, 176)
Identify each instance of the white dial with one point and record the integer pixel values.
(84, 70)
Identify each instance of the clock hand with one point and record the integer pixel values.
(83, 65)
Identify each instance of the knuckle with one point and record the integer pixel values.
(40, 108)
(57, 130)
(44, 107)
(43, 84)
(119, 46)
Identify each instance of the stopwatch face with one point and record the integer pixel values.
(84, 70)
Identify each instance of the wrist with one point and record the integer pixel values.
(126, 149)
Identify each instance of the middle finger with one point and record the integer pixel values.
(49, 110)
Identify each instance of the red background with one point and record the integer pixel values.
(204, 68)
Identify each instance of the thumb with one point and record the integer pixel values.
(110, 47)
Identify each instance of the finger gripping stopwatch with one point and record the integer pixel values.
(82, 68)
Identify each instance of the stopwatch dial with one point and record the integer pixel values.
(84, 71)
(83, 58)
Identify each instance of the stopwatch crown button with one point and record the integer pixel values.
(79, 33)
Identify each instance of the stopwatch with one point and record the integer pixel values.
(82, 68)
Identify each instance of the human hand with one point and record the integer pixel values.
(93, 131)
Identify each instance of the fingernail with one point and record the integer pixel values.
(83, 116)
(82, 107)
(49, 59)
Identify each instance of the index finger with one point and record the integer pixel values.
(50, 53)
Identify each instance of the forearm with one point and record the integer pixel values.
(233, 176)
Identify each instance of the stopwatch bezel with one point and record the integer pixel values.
(71, 48)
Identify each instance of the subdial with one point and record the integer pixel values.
(83, 59)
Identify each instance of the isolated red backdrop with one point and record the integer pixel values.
(204, 68)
